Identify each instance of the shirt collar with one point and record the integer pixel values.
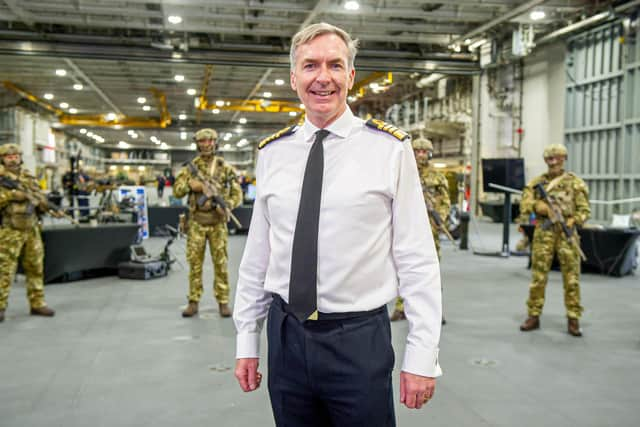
(341, 127)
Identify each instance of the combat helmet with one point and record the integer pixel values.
(206, 133)
(422, 144)
(7, 149)
(553, 150)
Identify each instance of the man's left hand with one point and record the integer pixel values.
(416, 390)
(571, 221)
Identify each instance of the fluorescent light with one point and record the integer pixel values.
(183, 135)
(48, 96)
(219, 103)
(64, 105)
(142, 100)
(227, 146)
(242, 142)
(374, 85)
(193, 146)
(279, 82)
(215, 111)
(302, 106)
(154, 138)
(146, 108)
(61, 72)
(351, 5)
(242, 120)
(179, 77)
(122, 144)
(83, 131)
(174, 19)
(267, 94)
(134, 135)
(111, 116)
(78, 86)
(182, 116)
(537, 15)
(89, 134)
(73, 110)
(164, 146)
(191, 91)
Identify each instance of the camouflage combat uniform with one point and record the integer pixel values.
(207, 224)
(572, 197)
(20, 236)
(436, 185)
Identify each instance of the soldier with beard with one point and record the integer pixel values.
(570, 194)
(435, 189)
(20, 232)
(208, 221)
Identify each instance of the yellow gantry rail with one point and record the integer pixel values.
(101, 120)
(253, 106)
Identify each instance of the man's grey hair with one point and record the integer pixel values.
(315, 30)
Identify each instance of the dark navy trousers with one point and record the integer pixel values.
(335, 371)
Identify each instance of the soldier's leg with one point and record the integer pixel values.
(542, 251)
(196, 242)
(218, 246)
(11, 242)
(570, 266)
(32, 263)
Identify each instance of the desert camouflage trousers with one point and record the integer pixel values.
(436, 240)
(14, 243)
(197, 239)
(545, 244)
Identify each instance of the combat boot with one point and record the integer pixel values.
(42, 311)
(1, 315)
(532, 322)
(224, 309)
(191, 310)
(573, 327)
(397, 315)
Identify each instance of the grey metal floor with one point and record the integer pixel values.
(119, 354)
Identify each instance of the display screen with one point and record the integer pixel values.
(505, 172)
(139, 250)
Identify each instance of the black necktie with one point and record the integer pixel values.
(304, 259)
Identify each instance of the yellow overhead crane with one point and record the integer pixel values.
(101, 120)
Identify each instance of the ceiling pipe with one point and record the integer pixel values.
(99, 91)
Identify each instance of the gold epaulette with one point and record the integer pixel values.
(281, 133)
(388, 128)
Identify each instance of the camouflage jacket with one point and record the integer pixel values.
(224, 178)
(435, 185)
(570, 193)
(28, 210)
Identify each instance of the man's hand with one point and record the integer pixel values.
(18, 195)
(571, 221)
(196, 186)
(416, 390)
(542, 208)
(247, 374)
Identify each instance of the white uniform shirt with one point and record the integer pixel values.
(374, 238)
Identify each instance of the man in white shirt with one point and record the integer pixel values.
(339, 228)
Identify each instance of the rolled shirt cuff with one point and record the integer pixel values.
(422, 362)
(248, 345)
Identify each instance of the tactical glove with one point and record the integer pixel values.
(196, 186)
(542, 208)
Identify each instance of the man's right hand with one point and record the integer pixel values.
(247, 374)
(196, 186)
(541, 208)
(18, 195)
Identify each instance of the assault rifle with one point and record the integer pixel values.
(33, 197)
(556, 217)
(211, 193)
(433, 214)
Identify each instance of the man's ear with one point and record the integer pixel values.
(352, 78)
(292, 80)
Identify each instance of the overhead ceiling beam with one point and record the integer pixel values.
(525, 7)
(253, 92)
(25, 16)
(78, 72)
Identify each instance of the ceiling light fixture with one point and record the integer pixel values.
(83, 131)
(242, 120)
(174, 19)
(192, 146)
(351, 5)
(142, 100)
(219, 103)
(73, 110)
(215, 111)
(111, 116)
(267, 94)
(61, 72)
(183, 135)
(537, 15)
(279, 82)
(182, 116)
(191, 91)
(179, 77)
(164, 146)
(78, 86)
(293, 113)
(48, 96)
(146, 108)
(64, 105)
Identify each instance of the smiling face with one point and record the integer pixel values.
(555, 164)
(322, 78)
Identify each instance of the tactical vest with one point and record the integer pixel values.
(207, 214)
(19, 216)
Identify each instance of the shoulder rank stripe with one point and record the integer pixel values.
(388, 128)
(281, 133)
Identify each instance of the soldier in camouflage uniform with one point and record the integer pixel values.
(208, 222)
(572, 197)
(20, 232)
(435, 188)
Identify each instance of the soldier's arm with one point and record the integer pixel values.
(5, 197)
(181, 185)
(528, 201)
(445, 200)
(583, 210)
(235, 191)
